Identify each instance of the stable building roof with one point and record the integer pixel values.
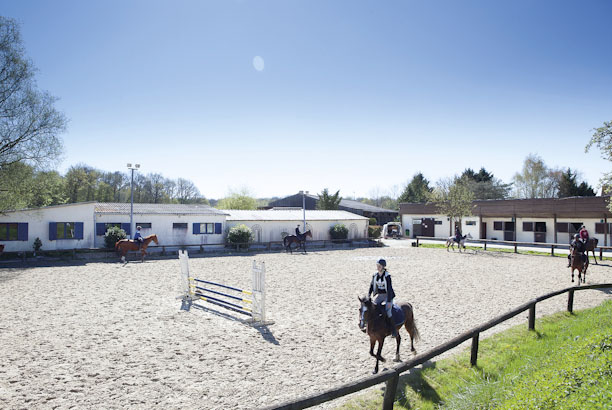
(291, 215)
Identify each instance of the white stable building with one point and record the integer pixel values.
(548, 220)
(274, 224)
(83, 225)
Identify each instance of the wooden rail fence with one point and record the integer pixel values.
(516, 244)
(391, 376)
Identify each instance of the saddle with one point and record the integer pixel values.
(397, 314)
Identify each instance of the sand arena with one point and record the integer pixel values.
(103, 335)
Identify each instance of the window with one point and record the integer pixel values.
(497, 226)
(540, 226)
(600, 228)
(102, 227)
(437, 222)
(144, 225)
(207, 228)
(13, 231)
(179, 225)
(65, 230)
(470, 222)
(562, 227)
(527, 226)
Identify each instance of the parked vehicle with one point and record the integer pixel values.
(392, 230)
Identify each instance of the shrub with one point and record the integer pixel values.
(374, 231)
(240, 234)
(373, 222)
(112, 235)
(338, 231)
(37, 244)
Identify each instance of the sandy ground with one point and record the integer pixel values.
(103, 335)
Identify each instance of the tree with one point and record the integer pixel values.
(327, 201)
(484, 185)
(453, 198)
(417, 191)
(602, 138)
(29, 124)
(568, 186)
(238, 200)
(536, 180)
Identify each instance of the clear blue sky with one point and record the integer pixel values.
(353, 95)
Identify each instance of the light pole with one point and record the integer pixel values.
(304, 207)
(132, 168)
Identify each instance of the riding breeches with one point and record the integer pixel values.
(382, 297)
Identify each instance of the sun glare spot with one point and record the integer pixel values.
(258, 63)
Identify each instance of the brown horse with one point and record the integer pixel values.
(125, 245)
(372, 321)
(301, 241)
(579, 264)
(590, 246)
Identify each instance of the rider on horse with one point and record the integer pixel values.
(382, 288)
(297, 232)
(579, 245)
(138, 237)
(584, 234)
(458, 235)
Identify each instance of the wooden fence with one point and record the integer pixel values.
(391, 376)
(516, 244)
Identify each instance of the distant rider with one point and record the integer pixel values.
(458, 235)
(578, 245)
(138, 237)
(584, 234)
(383, 290)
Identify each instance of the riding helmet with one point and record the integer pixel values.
(382, 262)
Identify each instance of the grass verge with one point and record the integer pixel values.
(565, 364)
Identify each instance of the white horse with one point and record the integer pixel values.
(451, 242)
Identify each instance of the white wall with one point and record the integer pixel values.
(161, 225)
(271, 231)
(38, 226)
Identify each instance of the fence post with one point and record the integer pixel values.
(474, 355)
(417, 242)
(390, 390)
(600, 254)
(485, 247)
(532, 316)
(552, 250)
(570, 301)
(515, 247)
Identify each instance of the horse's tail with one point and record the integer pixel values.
(117, 245)
(410, 322)
(285, 241)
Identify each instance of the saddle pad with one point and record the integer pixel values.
(398, 315)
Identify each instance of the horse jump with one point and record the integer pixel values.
(239, 302)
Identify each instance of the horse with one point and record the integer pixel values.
(591, 244)
(577, 263)
(301, 241)
(451, 242)
(124, 245)
(372, 321)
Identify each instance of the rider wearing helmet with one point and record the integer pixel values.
(575, 243)
(138, 237)
(584, 234)
(383, 290)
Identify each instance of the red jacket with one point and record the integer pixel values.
(584, 234)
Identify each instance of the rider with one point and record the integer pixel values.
(297, 232)
(138, 237)
(458, 235)
(382, 288)
(579, 245)
(584, 234)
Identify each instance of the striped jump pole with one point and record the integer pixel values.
(246, 302)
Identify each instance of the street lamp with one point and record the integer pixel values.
(132, 168)
(304, 207)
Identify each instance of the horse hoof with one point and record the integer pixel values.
(397, 360)
(375, 371)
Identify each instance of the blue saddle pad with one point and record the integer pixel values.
(397, 314)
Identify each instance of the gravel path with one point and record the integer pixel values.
(103, 335)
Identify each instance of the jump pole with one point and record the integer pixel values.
(192, 291)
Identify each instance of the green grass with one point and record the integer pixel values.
(565, 364)
(507, 250)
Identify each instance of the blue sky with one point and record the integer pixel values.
(353, 95)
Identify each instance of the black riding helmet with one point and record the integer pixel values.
(382, 262)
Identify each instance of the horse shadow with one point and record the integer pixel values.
(415, 380)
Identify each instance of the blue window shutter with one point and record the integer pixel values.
(22, 232)
(196, 228)
(126, 227)
(217, 228)
(100, 228)
(52, 231)
(78, 230)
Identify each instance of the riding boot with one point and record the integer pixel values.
(391, 326)
(569, 261)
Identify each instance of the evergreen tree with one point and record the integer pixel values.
(417, 191)
(327, 201)
(484, 185)
(568, 185)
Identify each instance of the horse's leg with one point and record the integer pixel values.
(572, 273)
(398, 339)
(381, 340)
(594, 257)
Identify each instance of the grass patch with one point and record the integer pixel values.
(565, 364)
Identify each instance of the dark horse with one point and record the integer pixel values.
(124, 245)
(372, 321)
(590, 246)
(579, 263)
(300, 240)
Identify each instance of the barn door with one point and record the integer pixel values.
(427, 227)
